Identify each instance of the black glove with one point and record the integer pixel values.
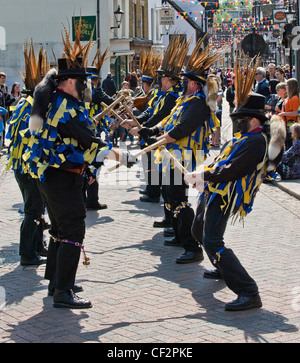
(147, 132)
(97, 165)
(128, 159)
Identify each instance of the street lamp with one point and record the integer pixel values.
(118, 17)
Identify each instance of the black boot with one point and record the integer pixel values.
(237, 279)
(172, 242)
(34, 261)
(190, 256)
(51, 289)
(68, 300)
(169, 232)
(212, 274)
(244, 303)
(165, 223)
(193, 252)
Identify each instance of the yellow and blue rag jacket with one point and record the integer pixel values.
(104, 123)
(238, 194)
(18, 135)
(158, 101)
(190, 150)
(152, 102)
(47, 148)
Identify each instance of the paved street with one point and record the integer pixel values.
(138, 292)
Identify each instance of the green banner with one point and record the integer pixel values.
(87, 27)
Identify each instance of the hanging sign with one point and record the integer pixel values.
(279, 16)
(167, 16)
(88, 24)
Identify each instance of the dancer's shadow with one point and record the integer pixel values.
(255, 324)
(22, 282)
(93, 219)
(61, 324)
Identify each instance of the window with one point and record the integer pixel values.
(142, 21)
(134, 22)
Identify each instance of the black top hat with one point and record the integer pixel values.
(167, 73)
(77, 71)
(195, 77)
(254, 107)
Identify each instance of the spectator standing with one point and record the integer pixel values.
(215, 138)
(272, 71)
(280, 74)
(126, 91)
(4, 89)
(3, 112)
(290, 109)
(287, 71)
(133, 81)
(4, 99)
(109, 86)
(262, 85)
(230, 96)
(15, 97)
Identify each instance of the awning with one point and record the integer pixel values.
(120, 53)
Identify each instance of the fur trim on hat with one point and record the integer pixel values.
(212, 92)
(42, 97)
(277, 141)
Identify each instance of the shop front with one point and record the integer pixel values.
(120, 66)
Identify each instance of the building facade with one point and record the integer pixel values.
(41, 21)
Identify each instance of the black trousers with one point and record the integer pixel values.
(31, 231)
(153, 177)
(63, 195)
(91, 193)
(208, 229)
(176, 193)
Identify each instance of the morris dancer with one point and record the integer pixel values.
(187, 131)
(31, 231)
(61, 148)
(233, 182)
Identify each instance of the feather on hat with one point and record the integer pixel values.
(247, 103)
(35, 68)
(244, 70)
(97, 62)
(174, 57)
(74, 59)
(72, 65)
(149, 62)
(200, 61)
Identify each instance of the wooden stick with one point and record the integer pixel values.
(142, 152)
(108, 109)
(175, 161)
(131, 115)
(113, 113)
(151, 147)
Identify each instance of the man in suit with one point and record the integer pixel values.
(262, 84)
